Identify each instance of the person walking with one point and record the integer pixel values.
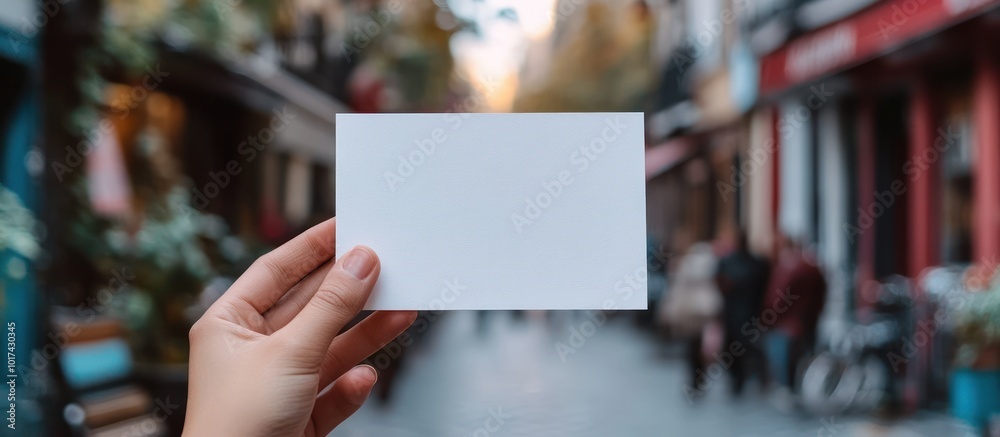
(794, 301)
(742, 279)
(692, 304)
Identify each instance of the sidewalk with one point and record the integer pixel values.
(511, 381)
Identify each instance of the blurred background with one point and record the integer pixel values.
(823, 203)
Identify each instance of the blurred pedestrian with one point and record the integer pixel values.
(692, 305)
(795, 297)
(742, 279)
(656, 280)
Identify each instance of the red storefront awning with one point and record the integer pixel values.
(861, 37)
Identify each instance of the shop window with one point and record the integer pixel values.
(956, 186)
(321, 205)
(892, 140)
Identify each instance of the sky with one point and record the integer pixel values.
(496, 54)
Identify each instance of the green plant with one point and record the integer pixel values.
(18, 234)
(18, 226)
(977, 324)
(170, 258)
(170, 248)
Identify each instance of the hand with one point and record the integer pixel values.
(266, 359)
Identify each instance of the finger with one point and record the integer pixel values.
(338, 299)
(343, 399)
(273, 274)
(292, 302)
(361, 341)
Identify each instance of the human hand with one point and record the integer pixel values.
(263, 354)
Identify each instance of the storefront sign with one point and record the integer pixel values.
(866, 35)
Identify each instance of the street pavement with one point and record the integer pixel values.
(514, 379)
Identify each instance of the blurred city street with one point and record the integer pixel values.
(821, 186)
(455, 382)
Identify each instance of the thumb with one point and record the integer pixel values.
(340, 298)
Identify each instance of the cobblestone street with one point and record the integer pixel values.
(509, 380)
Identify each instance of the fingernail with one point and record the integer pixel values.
(373, 371)
(359, 263)
(358, 396)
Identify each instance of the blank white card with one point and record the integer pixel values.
(496, 211)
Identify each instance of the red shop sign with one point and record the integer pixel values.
(865, 35)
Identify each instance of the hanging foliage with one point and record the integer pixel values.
(170, 248)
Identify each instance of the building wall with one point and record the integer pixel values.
(796, 218)
(833, 247)
(758, 192)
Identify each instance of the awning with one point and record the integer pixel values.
(313, 133)
(866, 35)
(262, 86)
(664, 157)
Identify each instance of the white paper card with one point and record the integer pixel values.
(496, 211)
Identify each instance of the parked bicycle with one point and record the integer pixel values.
(857, 372)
